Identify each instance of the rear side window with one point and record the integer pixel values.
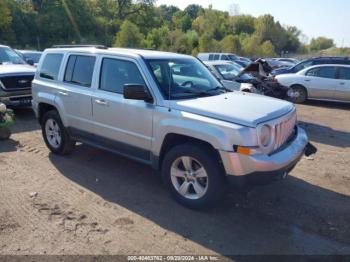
(79, 70)
(324, 72)
(344, 73)
(51, 66)
(216, 57)
(211, 57)
(116, 73)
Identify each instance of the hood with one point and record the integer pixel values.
(17, 69)
(236, 107)
(279, 71)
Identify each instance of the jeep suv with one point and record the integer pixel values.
(168, 111)
(15, 78)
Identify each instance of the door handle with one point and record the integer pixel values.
(342, 83)
(307, 80)
(101, 102)
(62, 93)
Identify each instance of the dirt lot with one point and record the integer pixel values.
(94, 202)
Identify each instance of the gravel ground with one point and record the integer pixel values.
(94, 202)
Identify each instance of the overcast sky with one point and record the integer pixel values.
(330, 18)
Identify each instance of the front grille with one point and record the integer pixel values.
(284, 130)
(16, 82)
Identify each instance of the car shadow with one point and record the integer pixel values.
(326, 135)
(328, 104)
(287, 217)
(24, 120)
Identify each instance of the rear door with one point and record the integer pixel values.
(122, 124)
(321, 82)
(342, 91)
(75, 92)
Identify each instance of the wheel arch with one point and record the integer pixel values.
(173, 139)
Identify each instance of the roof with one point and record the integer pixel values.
(29, 51)
(148, 54)
(218, 62)
(326, 65)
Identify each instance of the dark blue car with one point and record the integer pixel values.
(311, 62)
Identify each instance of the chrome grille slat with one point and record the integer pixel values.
(283, 130)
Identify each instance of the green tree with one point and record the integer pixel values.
(230, 44)
(266, 49)
(129, 36)
(321, 43)
(6, 33)
(242, 24)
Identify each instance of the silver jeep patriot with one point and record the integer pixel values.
(168, 111)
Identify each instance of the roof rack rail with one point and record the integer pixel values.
(77, 46)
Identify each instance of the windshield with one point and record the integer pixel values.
(33, 56)
(231, 71)
(9, 56)
(184, 78)
(228, 71)
(232, 57)
(301, 66)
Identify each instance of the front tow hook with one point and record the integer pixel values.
(310, 149)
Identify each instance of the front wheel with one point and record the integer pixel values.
(297, 94)
(193, 175)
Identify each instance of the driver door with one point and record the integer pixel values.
(124, 124)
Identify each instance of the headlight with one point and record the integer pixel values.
(265, 135)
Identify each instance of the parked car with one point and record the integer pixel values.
(235, 77)
(288, 60)
(310, 62)
(331, 82)
(227, 72)
(224, 56)
(276, 64)
(168, 111)
(31, 57)
(15, 78)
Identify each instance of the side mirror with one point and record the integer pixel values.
(137, 92)
(30, 62)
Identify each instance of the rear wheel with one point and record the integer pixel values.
(297, 94)
(193, 176)
(55, 134)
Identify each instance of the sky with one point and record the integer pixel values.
(330, 18)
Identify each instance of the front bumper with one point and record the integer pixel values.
(17, 100)
(281, 162)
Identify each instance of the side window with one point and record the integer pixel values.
(116, 73)
(216, 57)
(211, 57)
(324, 72)
(79, 70)
(51, 66)
(344, 73)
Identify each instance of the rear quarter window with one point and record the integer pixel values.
(51, 66)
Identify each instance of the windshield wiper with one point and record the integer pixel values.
(218, 88)
(195, 92)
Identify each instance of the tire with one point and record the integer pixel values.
(202, 189)
(302, 94)
(59, 142)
